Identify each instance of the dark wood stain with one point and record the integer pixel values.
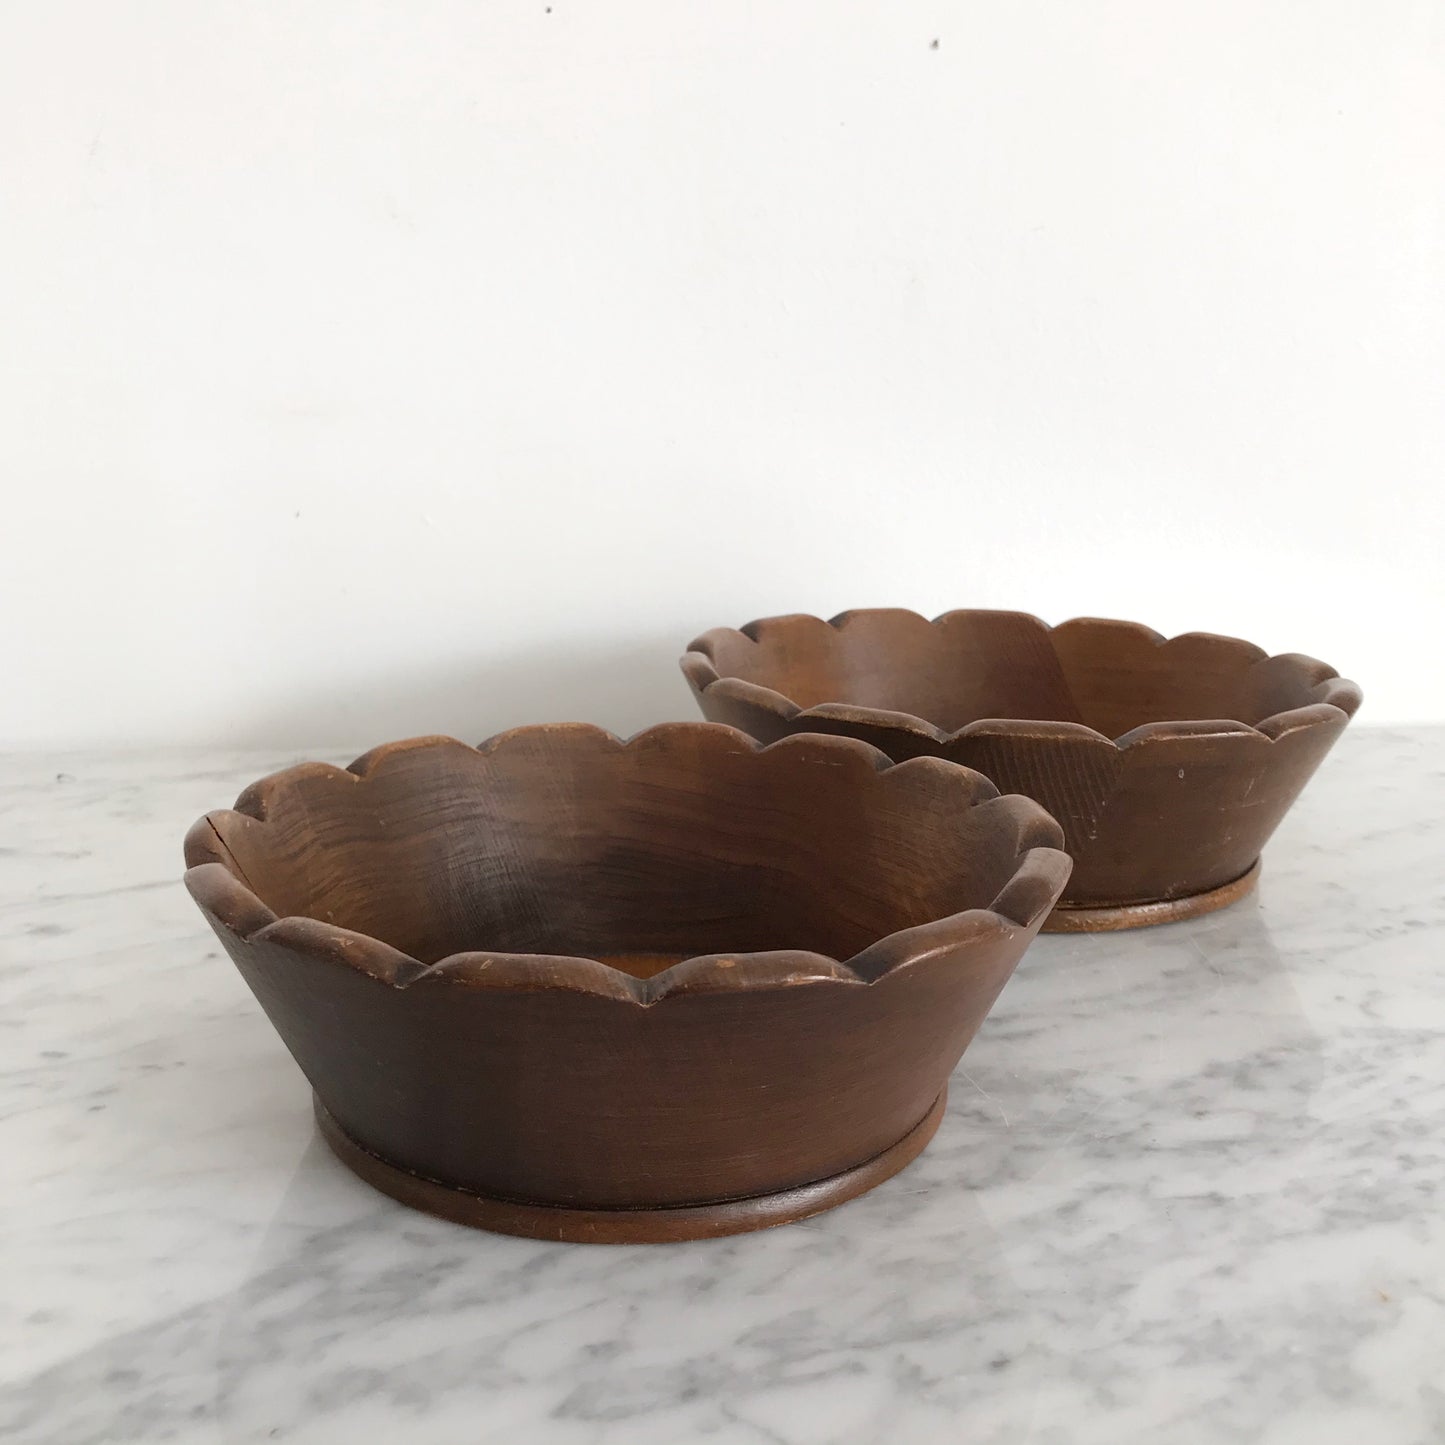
(1168, 763)
(567, 986)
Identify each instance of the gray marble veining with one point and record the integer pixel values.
(1190, 1188)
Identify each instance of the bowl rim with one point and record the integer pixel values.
(217, 882)
(1336, 696)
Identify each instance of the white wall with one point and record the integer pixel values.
(365, 369)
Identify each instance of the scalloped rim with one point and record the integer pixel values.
(1335, 695)
(218, 884)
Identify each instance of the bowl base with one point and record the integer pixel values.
(1084, 918)
(663, 1225)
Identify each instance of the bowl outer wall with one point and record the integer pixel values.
(561, 1096)
(1161, 816)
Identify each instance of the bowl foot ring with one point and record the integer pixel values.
(663, 1225)
(1080, 918)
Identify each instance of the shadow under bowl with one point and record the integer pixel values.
(1168, 763)
(566, 986)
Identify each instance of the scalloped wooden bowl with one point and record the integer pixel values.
(1168, 763)
(566, 986)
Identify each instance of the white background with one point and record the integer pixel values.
(374, 369)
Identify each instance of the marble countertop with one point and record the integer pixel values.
(1190, 1188)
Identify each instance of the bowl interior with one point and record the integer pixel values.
(967, 666)
(687, 841)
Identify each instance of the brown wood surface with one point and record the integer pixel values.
(664, 1225)
(801, 940)
(1168, 763)
(1091, 918)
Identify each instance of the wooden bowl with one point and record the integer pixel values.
(1168, 763)
(570, 987)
